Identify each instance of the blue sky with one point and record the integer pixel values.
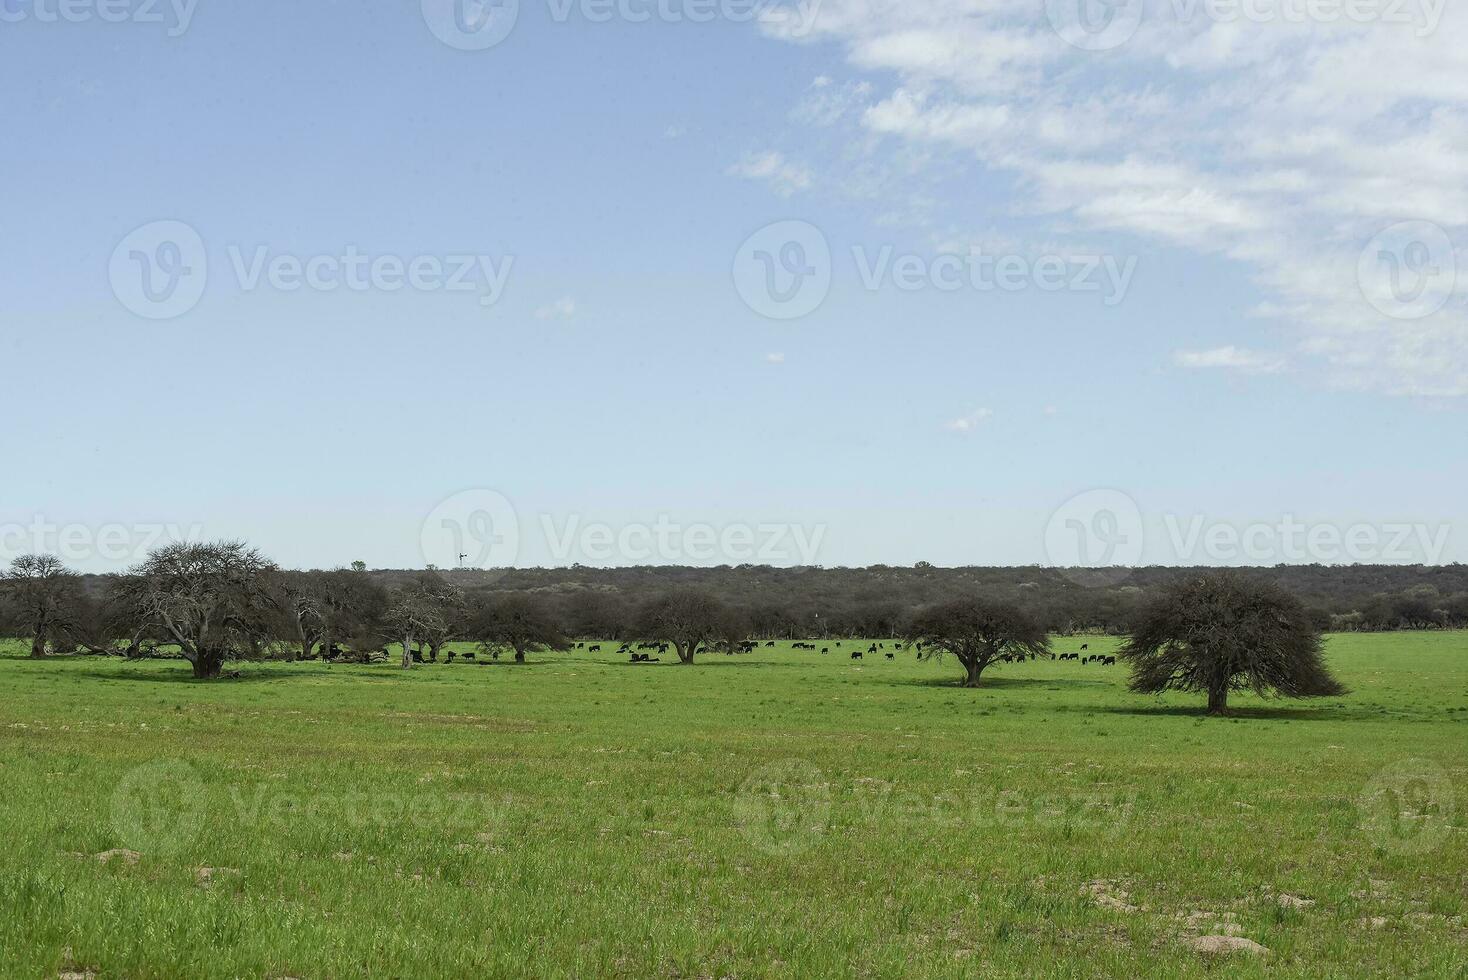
(614, 171)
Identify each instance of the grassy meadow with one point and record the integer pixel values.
(776, 814)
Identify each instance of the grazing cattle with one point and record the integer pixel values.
(1109, 661)
(856, 655)
(825, 650)
(1085, 646)
(891, 655)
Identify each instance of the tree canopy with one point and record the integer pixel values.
(978, 631)
(1222, 632)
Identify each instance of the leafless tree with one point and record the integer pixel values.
(39, 588)
(686, 618)
(206, 598)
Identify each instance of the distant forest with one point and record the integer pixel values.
(800, 602)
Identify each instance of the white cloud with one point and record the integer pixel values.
(562, 309)
(971, 421)
(775, 358)
(1231, 358)
(1284, 147)
(826, 103)
(785, 177)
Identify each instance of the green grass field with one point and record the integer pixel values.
(777, 814)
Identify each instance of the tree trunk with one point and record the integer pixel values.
(38, 644)
(1218, 701)
(407, 652)
(208, 664)
(685, 652)
(975, 668)
(519, 655)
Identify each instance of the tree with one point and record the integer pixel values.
(207, 598)
(303, 611)
(1223, 632)
(595, 615)
(518, 621)
(733, 630)
(426, 611)
(96, 619)
(978, 632)
(39, 588)
(686, 618)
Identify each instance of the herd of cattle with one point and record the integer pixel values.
(638, 656)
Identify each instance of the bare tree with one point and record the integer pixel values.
(424, 611)
(452, 605)
(978, 632)
(303, 607)
(518, 621)
(1225, 632)
(686, 618)
(39, 589)
(206, 598)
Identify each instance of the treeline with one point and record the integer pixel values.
(810, 602)
(219, 601)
